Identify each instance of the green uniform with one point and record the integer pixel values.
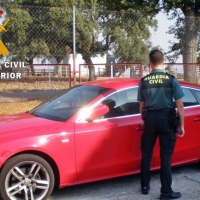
(157, 90)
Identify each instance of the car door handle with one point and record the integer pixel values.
(197, 119)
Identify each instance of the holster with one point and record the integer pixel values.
(144, 113)
(174, 119)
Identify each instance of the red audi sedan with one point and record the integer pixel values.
(87, 133)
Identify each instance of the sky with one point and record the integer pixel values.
(160, 37)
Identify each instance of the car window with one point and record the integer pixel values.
(122, 103)
(196, 94)
(189, 99)
(67, 103)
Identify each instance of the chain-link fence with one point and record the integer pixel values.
(179, 69)
(111, 70)
(41, 52)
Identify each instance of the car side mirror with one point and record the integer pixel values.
(97, 112)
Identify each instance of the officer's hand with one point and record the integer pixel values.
(142, 123)
(181, 132)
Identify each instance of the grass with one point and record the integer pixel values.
(16, 105)
(33, 83)
(11, 107)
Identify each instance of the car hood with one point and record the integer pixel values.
(24, 121)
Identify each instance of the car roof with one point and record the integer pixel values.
(115, 83)
(188, 84)
(118, 83)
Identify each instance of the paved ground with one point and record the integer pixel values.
(185, 179)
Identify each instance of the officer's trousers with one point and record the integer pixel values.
(157, 125)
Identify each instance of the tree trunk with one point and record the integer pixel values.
(59, 66)
(30, 61)
(190, 46)
(32, 70)
(88, 60)
(60, 69)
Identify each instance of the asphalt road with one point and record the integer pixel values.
(186, 179)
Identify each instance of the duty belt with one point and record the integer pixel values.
(159, 112)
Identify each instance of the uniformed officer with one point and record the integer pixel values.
(155, 94)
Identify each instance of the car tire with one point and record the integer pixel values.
(26, 176)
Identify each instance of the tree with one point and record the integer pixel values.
(187, 23)
(129, 33)
(45, 28)
(147, 7)
(31, 34)
(176, 48)
(190, 29)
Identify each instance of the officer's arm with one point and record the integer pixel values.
(141, 106)
(180, 108)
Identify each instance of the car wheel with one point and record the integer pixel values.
(26, 177)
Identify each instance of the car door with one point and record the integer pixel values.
(186, 149)
(110, 146)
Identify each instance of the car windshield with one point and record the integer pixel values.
(64, 105)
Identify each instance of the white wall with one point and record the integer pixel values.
(79, 60)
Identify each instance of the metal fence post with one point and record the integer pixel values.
(74, 48)
(111, 70)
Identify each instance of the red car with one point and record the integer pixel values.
(87, 133)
